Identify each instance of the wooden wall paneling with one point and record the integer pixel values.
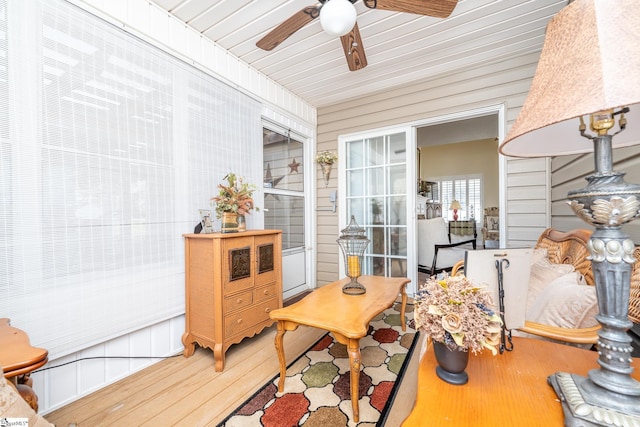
(70, 382)
(491, 77)
(519, 165)
(527, 193)
(507, 82)
(524, 206)
(527, 219)
(138, 15)
(177, 40)
(522, 236)
(527, 179)
(159, 28)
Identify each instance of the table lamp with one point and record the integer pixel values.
(590, 67)
(455, 205)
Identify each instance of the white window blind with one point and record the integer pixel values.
(109, 147)
(467, 191)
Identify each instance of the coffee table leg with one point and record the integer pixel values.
(403, 308)
(354, 362)
(279, 341)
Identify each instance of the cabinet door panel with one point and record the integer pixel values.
(268, 259)
(237, 264)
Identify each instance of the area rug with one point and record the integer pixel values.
(317, 387)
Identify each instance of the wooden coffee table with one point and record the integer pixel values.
(508, 389)
(347, 317)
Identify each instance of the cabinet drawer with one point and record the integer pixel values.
(237, 301)
(265, 292)
(248, 317)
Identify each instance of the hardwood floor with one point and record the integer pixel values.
(186, 391)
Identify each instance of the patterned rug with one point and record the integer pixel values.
(317, 387)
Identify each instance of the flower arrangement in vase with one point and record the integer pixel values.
(458, 317)
(234, 199)
(326, 159)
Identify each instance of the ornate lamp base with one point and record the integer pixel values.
(585, 404)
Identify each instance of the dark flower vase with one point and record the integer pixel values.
(451, 364)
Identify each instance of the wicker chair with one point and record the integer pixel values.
(571, 248)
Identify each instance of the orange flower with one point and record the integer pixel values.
(236, 197)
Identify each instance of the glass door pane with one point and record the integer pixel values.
(284, 203)
(376, 194)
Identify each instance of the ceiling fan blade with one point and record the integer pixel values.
(288, 27)
(436, 8)
(353, 49)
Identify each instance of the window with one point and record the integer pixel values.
(467, 191)
(106, 156)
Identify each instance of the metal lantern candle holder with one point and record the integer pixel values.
(353, 242)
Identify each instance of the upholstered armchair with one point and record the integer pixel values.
(442, 244)
(491, 228)
(561, 301)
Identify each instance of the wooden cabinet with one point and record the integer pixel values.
(232, 282)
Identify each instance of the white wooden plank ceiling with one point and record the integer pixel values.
(400, 47)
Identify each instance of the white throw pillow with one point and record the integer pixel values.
(567, 302)
(539, 254)
(543, 273)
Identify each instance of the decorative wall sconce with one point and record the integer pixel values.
(326, 159)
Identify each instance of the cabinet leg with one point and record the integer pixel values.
(189, 346)
(218, 355)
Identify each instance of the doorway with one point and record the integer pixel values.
(458, 158)
(285, 202)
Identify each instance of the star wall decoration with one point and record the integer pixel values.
(269, 180)
(293, 166)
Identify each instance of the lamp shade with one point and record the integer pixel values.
(590, 62)
(455, 205)
(337, 17)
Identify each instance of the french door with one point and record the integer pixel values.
(377, 174)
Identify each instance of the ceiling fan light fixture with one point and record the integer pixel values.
(337, 17)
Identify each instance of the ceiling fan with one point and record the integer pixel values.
(338, 18)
